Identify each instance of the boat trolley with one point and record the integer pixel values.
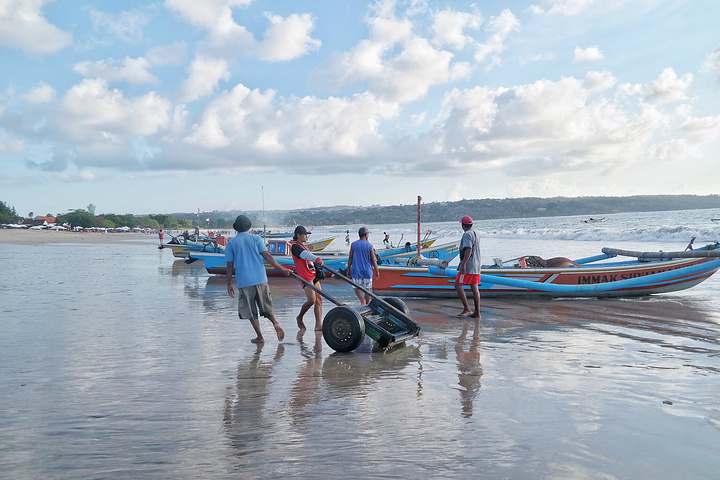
(385, 319)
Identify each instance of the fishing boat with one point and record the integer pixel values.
(594, 220)
(280, 249)
(181, 246)
(639, 273)
(215, 263)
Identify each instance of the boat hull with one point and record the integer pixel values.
(215, 262)
(620, 280)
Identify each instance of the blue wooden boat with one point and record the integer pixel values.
(647, 273)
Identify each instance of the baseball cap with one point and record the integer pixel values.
(300, 230)
(466, 220)
(242, 223)
(363, 231)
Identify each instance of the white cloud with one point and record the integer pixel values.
(562, 126)
(455, 192)
(90, 111)
(208, 14)
(500, 28)
(131, 70)
(449, 27)
(668, 87)
(204, 77)
(23, 26)
(237, 115)
(127, 25)
(599, 81)
(712, 62)
(171, 54)
(419, 66)
(244, 120)
(41, 93)
(10, 143)
(400, 65)
(587, 55)
(562, 7)
(287, 38)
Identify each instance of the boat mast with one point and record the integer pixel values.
(418, 230)
(262, 189)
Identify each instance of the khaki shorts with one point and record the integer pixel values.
(366, 283)
(253, 300)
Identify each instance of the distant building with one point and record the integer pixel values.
(32, 222)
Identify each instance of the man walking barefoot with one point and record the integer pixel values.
(244, 253)
(469, 268)
(362, 264)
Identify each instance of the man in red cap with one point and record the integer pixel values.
(469, 268)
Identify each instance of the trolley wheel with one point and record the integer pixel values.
(343, 329)
(394, 301)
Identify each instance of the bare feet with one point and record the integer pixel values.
(300, 323)
(258, 340)
(464, 313)
(318, 328)
(279, 331)
(475, 315)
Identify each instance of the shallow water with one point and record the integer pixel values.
(118, 361)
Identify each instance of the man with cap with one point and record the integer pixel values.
(308, 266)
(469, 268)
(244, 254)
(362, 264)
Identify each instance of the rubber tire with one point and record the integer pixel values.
(394, 301)
(343, 329)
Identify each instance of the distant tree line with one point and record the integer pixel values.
(86, 219)
(8, 214)
(479, 209)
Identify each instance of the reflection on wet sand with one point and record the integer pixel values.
(243, 418)
(305, 388)
(469, 368)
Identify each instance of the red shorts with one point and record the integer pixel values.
(468, 278)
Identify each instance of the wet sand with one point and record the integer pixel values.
(123, 362)
(21, 236)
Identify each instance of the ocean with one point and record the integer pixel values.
(119, 361)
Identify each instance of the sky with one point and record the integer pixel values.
(178, 105)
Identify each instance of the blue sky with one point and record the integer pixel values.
(170, 106)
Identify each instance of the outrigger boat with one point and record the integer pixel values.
(181, 246)
(647, 273)
(280, 249)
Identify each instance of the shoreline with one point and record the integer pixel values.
(41, 237)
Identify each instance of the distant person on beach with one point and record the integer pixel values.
(244, 253)
(308, 267)
(347, 237)
(160, 236)
(386, 240)
(362, 264)
(469, 268)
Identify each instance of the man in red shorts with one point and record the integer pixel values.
(469, 268)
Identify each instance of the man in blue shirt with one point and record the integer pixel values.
(362, 264)
(244, 254)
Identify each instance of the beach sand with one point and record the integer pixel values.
(40, 237)
(118, 360)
